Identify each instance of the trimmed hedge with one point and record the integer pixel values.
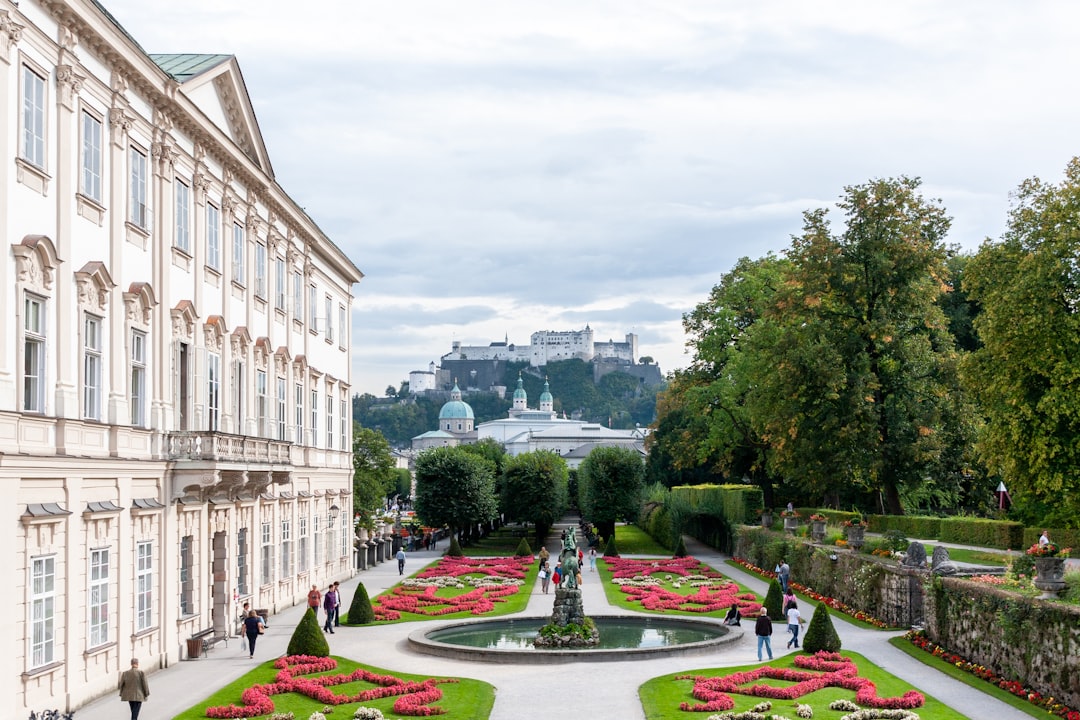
(1064, 538)
(1000, 534)
(913, 526)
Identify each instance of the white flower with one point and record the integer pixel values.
(316, 716)
(804, 711)
(368, 713)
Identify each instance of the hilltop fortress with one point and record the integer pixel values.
(480, 367)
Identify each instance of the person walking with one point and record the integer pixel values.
(400, 561)
(329, 603)
(337, 604)
(763, 630)
(784, 576)
(545, 577)
(253, 628)
(794, 620)
(544, 555)
(134, 690)
(314, 600)
(592, 559)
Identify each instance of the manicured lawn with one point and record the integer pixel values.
(975, 557)
(439, 602)
(698, 598)
(967, 678)
(661, 696)
(499, 542)
(632, 540)
(465, 699)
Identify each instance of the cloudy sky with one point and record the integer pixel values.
(500, 167)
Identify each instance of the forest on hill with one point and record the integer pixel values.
(618, 400)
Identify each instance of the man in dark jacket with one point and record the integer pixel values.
(763, 630)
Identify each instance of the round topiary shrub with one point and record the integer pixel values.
(611, 550)
(774, 600)
(455, 548)
(360, 612)
(308, 638)
(680, 548)
(523, 549)
(821, 635)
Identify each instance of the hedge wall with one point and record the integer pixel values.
(1065, 538)
(913, 526)
(982, 532)
(712, 512)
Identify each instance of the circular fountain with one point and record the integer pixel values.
(622, 637)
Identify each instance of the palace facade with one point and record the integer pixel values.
(174, 361)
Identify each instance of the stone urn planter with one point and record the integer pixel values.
(1051, 575)
(766, 520)
(856, 536)
(817, 530)
(791, 524)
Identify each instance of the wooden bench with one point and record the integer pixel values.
(209, 639)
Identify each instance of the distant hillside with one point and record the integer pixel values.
(618, 399)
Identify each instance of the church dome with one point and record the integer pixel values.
(456, 409)
(545, 397)
(520, 394)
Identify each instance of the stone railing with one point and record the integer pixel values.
(222, 447)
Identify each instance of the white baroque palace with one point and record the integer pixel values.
(175, 424)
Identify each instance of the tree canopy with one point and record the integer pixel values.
(534, 489)
(454, 488)
(610, 485)
(374, 472)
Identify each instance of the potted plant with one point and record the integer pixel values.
(1050, 566)
(766, 517)
(855, 530)
(817, 526)
(791, 520)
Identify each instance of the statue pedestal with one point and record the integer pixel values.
(568, 612)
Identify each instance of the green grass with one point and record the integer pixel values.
(500, 543)
(465, 700)
(975, 557)
(632, 540)
(967, 678)
(509, 604)
(618, 598)
(660, 697)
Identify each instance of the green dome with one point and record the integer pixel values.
(545, 397)
(519, 394)
(456, 410)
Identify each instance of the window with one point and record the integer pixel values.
(344, 423)
(267, 555)
(329, 537)
(242, 562)
(139, 214)
(298, 296)
(315, 540)
(314, 418)
(91, 157)
(329, 318)
(187, 582)
(329, 421)
(238, 253)
(138, 378)
(42, 607)
(213, 237)
(313, 295)
(299, 413)
(302, 550)
(286, 549)
(183, 215)
(184, 381)
(279, 282)
(213, 391)
(144, 586)
(281, 411)
(33, 354)
(33, 129)
(342, 324)
(260, 403)
(260, 270)
(92, 368)
(238, 395)
(343, 534)
(98, 597)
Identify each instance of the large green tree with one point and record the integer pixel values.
(1026, 375)
(611, 481)
(862, 365)
(534, 489)
(454, 488)
(374, 472)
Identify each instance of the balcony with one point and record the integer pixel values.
(209, 446)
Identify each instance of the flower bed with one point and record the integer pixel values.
(833, 603)
(414, 698)
(818, 671)
(708, 590)
(1052, 706)
(484, 582)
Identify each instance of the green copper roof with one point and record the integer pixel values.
(184, 66)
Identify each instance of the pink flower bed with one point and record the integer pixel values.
(414, 698)
(720, 595)
(477, 601)
(832, 670)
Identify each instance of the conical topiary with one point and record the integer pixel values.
(308, 638)
(523, 549)
(611, 550)
(774, 599)
(360, 612)
(455, 548)
(821, 635)
(680, 549)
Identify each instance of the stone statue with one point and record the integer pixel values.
(940, 564)
(569, 559)
(916, 555)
